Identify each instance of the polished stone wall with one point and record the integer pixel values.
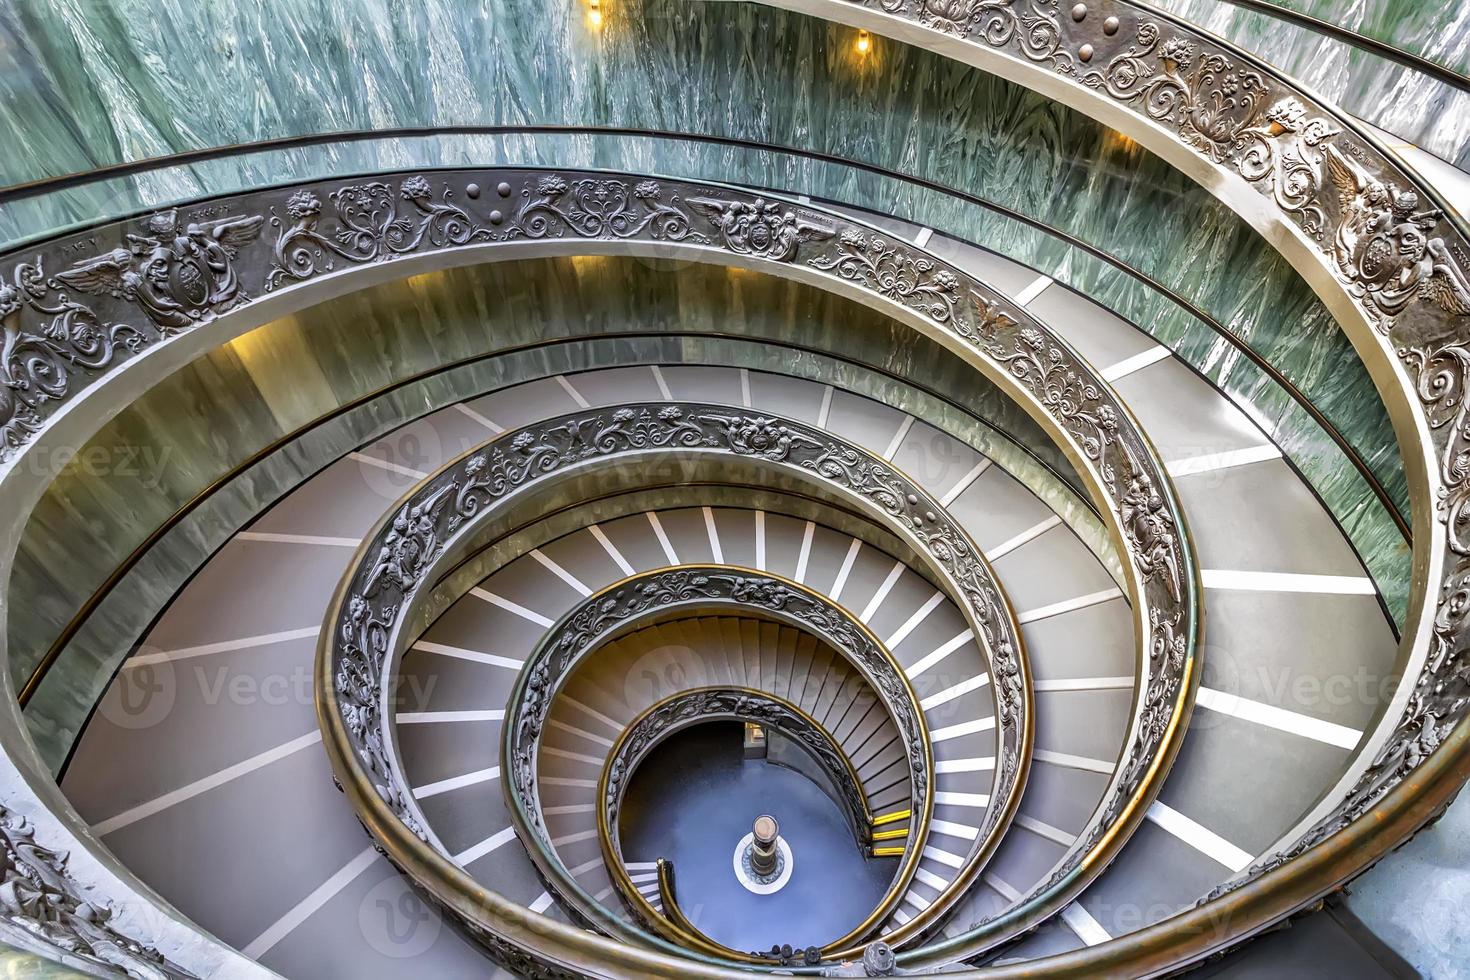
(91, 84)
(211, 416)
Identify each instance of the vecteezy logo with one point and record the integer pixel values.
(143, 693)
(395, 921)
(663, 672)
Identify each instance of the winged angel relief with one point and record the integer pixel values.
(1384, 248)
(177, 273)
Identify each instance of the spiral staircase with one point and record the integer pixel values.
(719, 489)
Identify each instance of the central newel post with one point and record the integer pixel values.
(763, 853)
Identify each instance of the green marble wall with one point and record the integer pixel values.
(215, 413)
(1438, 32)
(1414, 106)
(89, 83)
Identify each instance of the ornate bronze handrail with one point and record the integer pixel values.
(642, 599)
(694, 707)
(148, 281)
(543, 448)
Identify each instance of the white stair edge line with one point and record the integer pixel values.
(568, 809)
(1199, 837)
(663, 538)
(842, 573)
(973, 727)
(1069, 605)
(1280, 719)
(714, 536)
(575, 395)
(1083, 684)
(1054, 834)
(760, 540)
(578, 732)
(552, 566)
(574, 756)
(875, 603)
(1074, 761)
(940, 652)
(1210, 462)
(1139, 361)
(541, 904)
(472, 854)
(494, 427)
(448, 717)
(1006, 891)
(951, 829)
(611, 549)
(931, 879)
(1086, 928)
(1225, 578)
(825, 411)
(658, 379)
(979, 800)
(982, 764)
(916, 900)
(306, 539)
(898, 437)
(456, 782)
(213, 781)
(966, 482)
(305, 908)
(912, 623)
(638, 879)
(384, 464)
(943, 857)
(445, 650)
(901, 917)
(223, 646)
(565, 781)
(950, 693)
(1028, 295)
(591, 712)
(804, 556)
(745, 387)
(574, 838)
(514, 608)
(922, 238)
(1025, 537)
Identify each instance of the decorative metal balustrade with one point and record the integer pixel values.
(695, 707)
(685, 590)
(129, 299)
